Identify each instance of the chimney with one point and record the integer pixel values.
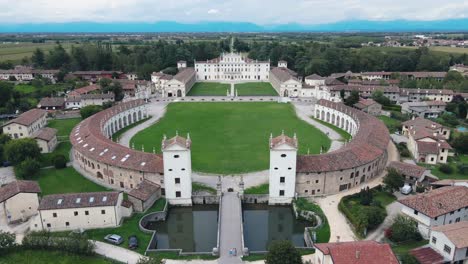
(357, 254)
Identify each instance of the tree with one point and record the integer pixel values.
(60, 161)
(379, 97)
(461, 110)
(89, 110)
(6, 91)
(408, 259)
(460, 143)
(27, 168)
(57, 58)
(38, 58)
(19, 150)
(7, 240)
(353, 98)
(365, 196)
(104, 83)
(393, 180)
(282, 252)
(116, 88)
(403, 229)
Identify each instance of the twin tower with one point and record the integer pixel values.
(178, 169)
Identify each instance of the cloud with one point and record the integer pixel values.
(213, 11)
(256, 11)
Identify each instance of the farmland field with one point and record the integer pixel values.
(16, 52)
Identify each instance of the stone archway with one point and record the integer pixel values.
(286, 93)
(179, 93)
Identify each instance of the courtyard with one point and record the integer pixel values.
(231, 138)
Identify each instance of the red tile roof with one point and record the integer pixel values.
(439, 201)
(369, 142)
(144, 190)
(46, 133)
(78, 200)
(29, 117)
(407, 169)
(427, 255)
(283, 139)
(360, 252)
(457, 233)
(13, 188)
(85, 90)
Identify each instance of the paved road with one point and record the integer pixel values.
(339, 225)
(393, 210)
(117, 253)
(7, 175)
(231, 235)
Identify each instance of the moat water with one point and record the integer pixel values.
(192, 229)
(264, 224)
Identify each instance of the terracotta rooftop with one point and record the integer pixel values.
(84, 90)
(439, 201)
(427, 255)
(284, 74)
(364, 103)
(29, 117)
(177, 140)
(88, 138)
(457, 233)
(407, 91)
(368, 89)
(46, 133)
(52, 102)
(407, 169)
(283, 139)
(78, 200)
(185, 74)
(144, 190)
(13, 188)
(315, 77)
(360, 252)
(370, 141)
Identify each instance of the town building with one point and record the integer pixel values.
(359, 252)
(52, 103)
(27, 124)
(418, 95)
(93, 88)
(232, 67)
(26, 74)
(46, 139)
(74, 211)
(414, 175)
(449, 182)
(369, 106)
(159, 80)
(427, 140)
(437, 207)
(95, 76)
(285, 81)
(80, 101)
(144, 195)
(135, 89)
(180, 84)
(426, 109)
(19, 201)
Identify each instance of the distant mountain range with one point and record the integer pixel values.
(172, 26)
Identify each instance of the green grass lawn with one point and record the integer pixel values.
(16, 52)
(322, 233)
(63, 148)
(46, 257)
(116, 136)
(200, 187)
(231, 137)
(344, 135)
(404, 248)
(453, 162)
(64, 126)
(50, 89)
(68, 180)
(174, 255)
(255, 89)
(392, 124)
(384, 198)
(128, 228)
(260, 189)
(209, 89)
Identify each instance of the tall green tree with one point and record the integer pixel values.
(18, 150)
(283, 252)
(38, 58)
(393, 180)
(353, 98)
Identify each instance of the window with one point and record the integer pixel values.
(76, 213)
(451, 213)
(177, 180)
(416, 212)
(276, 168)
(316, 181)
(434, 240)
(54, 214)
(177, 194)
(457, 220)
(48, 225)
(121, 185)
(67, 223)
(103, 211)
(447, 249)
(86, 212)
(281, 193)
(283, 155)
(176, 156)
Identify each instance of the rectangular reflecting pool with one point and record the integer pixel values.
(192, 229)
(264, 224)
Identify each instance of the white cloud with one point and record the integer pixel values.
(255, 11)
(213, 11)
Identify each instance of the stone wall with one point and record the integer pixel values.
(205, 199)
(255, 198)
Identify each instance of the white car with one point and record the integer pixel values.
(114, 239)
(406, 189)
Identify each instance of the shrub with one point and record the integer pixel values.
(89, 110)
(365, 196)
(7, 241)
(445, 168)
(375, 216)
(420, 189)
(60, 161)
(283, 252)
(19, 150)
(463, 169)
(408, 259)
(74, 243)
(404, 229)
(27, 168)
(393, 180)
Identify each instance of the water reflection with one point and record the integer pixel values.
(263, 224)
(192, 229)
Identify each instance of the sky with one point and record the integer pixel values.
(262, 12)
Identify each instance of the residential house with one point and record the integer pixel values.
(437, 207)
(19, 200)
(144, 196)
(27, 124)
(285, 81)
(356, 252)
(52, 103)
(414, 175)
(426, 109)
(369, 106)
(46, 139)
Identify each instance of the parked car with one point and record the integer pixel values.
(114, 239)
(406, 189)
(132, 242)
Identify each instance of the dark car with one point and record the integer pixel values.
(132, 242)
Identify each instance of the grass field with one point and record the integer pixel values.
(16, 52)
(51, 89)
(68, 180)
(452, 162)
(200, 187)
(209, 89)
(259, 189)
(231, 137)
(129, 227)
(64, 126)
(255, 89)
(344, 135)
(323, 233)
(116, 136)
(404, 248)
(393, 125)
(46, 257)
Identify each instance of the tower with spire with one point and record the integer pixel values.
(177, 169)
(282, 178)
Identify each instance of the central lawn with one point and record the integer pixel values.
(231, 138)
(116, 136)
(209, 89)
(46, 257)
(64, 126)
(129, 227)
(344, 135)
(255, 89)
(67, 180)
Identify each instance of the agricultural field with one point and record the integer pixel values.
(255, 89)
(231, 138)
(16, 52)
(209, 89)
